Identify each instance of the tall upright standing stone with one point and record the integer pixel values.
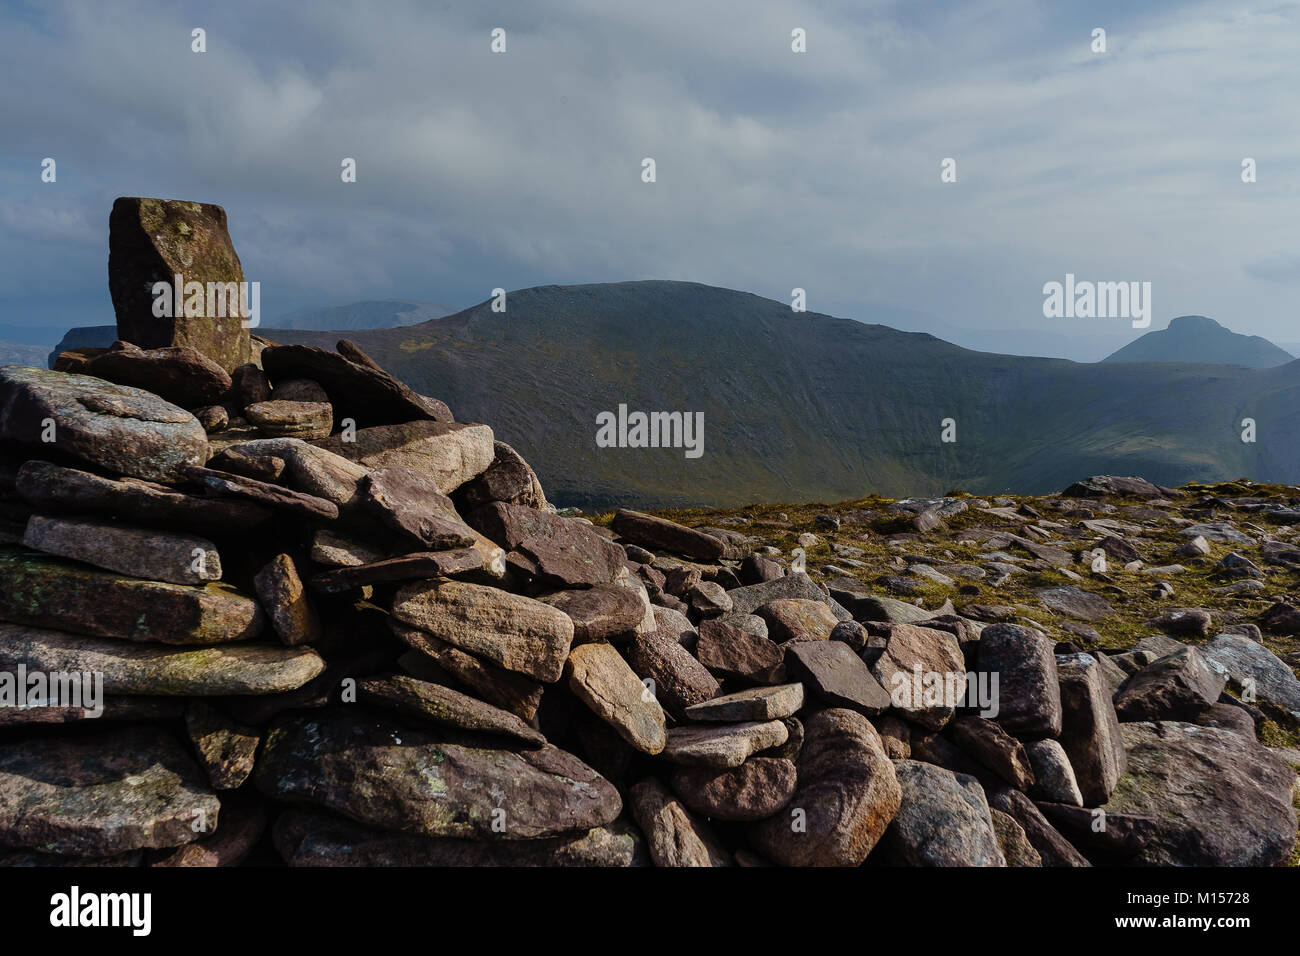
(155, 240)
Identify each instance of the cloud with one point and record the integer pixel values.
(775, 169)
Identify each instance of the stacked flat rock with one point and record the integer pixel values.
(348, 630)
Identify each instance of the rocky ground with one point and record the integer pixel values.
(334, 626)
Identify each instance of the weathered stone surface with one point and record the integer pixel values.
(451, 453)
(1105, 486)
(46, 592)
(565, 553)
(942, 820)
(679, 679)
(336, 551)
(993, 747)
(393, 776)
(728, 651)
(213, 418)
(1217, 798)
(1075, 602)
(660, 534)
(1178, 686)
(838, 676)
(1029, 696)
(602, 680)
(1248, 662)
(674, 837)
(935, 653)
(409, 502)
(505, 689)
(225, 747)
(159, 669)
(419, 565)
(755, 703)
(55, 489)
(1122, 838)
(510, 630)
(360, 391)
(1054, 778)
(1090, 730)
(243, 821)
(155, 240)
(847, 790)
(1052, 847)
(227, 485)
(722, 745)
(249, 386)
(284, 419)
(309, 838)
(181, 375)
(311, 470)
(509, 478)
(109, 709)
(709, 599)
(755, 790)
(158, 556)
(285, 601)
(603, 612)
(125, 430)
(1013, 841)
(101, 794)
(1184, 621)
(791, 620)
(796, 584)
(424, 700)
(300, 390)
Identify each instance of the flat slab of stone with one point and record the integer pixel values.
(174, 557)
(679, 679)
(285, 419)
(564, 553)
(1090, 731)
(796, 584)
(309, 838)
(756, 703)
(451, 453)
(410, 503)
(418, 565)
(838, 676)
(603, 612)
(510, 691)
(729, 651)
(225, 748)
(158, 669)
(179, 374)
(601, 679)
(1029, 693)
(54, 489)
(228, 485)
(510, 630)
(393, 776)
(722, 745)
(660, 534)
(1254, 665)
(48, 592)
(1075, 602)
(121, 429)
(442, 705)
(934, 655)
(797, 619)
(363, 392)
(102, 794)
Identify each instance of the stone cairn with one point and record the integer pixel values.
(334, 626)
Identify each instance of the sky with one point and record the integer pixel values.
(774, 169)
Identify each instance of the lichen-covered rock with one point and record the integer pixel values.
(155, 240)
(122, 429)
(391, 775)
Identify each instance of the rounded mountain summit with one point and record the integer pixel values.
(1195, 338)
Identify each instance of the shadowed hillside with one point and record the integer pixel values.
(807, 406)
(1194, 338)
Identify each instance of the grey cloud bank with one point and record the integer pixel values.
(775, 170)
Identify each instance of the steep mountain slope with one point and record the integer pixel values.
(369, 314)
(1194, 338)
(802, 406)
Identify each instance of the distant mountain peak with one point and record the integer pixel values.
(1201, 340)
